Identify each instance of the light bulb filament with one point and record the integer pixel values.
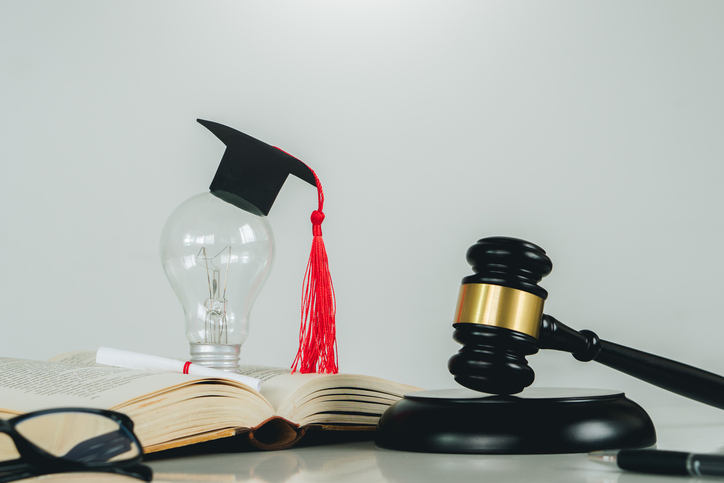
(215, 329)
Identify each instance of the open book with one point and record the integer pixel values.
(174, 410)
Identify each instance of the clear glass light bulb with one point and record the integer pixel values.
(217, 258)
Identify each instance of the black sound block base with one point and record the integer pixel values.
(536, 421)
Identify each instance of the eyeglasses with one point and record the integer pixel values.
(71, 440)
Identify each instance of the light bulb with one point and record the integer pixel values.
(217, 258)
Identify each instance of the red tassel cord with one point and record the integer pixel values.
(317, 335)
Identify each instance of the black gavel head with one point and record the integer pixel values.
(498, 315)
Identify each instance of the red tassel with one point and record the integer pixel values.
(317, 335)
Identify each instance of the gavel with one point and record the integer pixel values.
(499, 320)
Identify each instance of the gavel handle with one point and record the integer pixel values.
(682, 379)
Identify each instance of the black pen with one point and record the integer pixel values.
(663, 462)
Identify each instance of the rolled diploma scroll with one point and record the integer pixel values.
(134, 360)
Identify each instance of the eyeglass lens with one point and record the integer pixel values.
(80, 437)
(8, 451)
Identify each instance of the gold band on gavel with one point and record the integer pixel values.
(480, 303)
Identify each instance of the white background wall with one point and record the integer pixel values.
(593, 129)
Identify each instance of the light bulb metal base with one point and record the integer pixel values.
(218, 356)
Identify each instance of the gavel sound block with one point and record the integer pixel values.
(499, 321)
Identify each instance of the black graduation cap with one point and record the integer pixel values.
(250, 176)
(251, 171)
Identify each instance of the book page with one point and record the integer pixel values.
(27, 385)
(77, 358)
(286, 392)
(262, 372)
(278, 384)
(334, 398)
(284, 385)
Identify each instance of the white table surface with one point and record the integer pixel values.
(690, 427)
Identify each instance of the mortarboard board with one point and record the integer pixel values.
(250, 175)
(252, 170)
